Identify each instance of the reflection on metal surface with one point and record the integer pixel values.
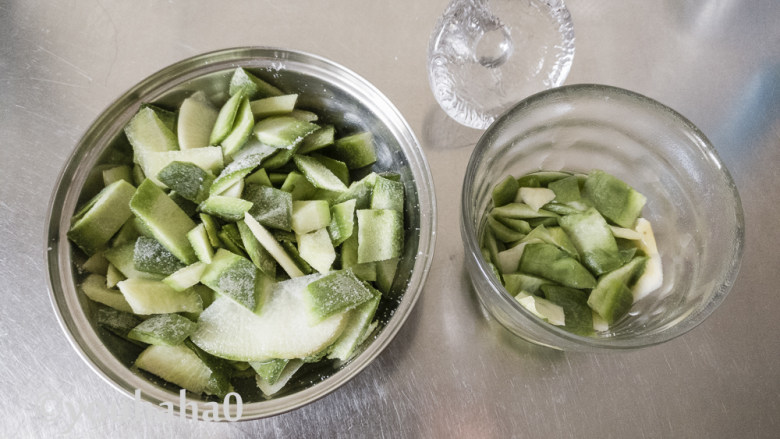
(719, 381)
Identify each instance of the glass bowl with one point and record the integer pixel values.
(692, 203)
(339, 96)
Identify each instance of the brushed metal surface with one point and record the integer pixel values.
(451, 372)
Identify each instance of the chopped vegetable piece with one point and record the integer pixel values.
(153, 297)
(225, 119)
(311, 215)
(335, 293)
(185, 277)
(318, 174)
(257, 253)
(196, 120)
(152, 257)
(505, 191)
(226, 208)
(102, 217)
(163, 329)
(250, 85)
(272, 246)
(94, 287)
(271, 207)
(612, 297)
(164, 220)
(273, 105)
(387, 194)
(342, 221)
(232, 276)
(283, 131)
(380, 234)
(616, 200)
(242, 129)
(356, 150)
(179, 365)
(187, 179)
(578, 316)
(593, 239)
(550, 262)
(317, 250)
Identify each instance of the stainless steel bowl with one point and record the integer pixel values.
(333, 91)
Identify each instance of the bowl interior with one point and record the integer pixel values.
(692, 204)
(339, 97)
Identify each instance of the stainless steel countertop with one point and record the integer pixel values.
(451, 372)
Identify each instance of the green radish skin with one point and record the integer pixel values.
(97, 264)
(322, 137)
(225, 207)
(593, 239)
(542, 308)
(566, 189)
(342, 221)
(201, 244)
(578, 317)
(164, 219)
(187, 179)
(387, 194)
(336, 167)
(123, 258)
(113, 276)
(256, 252)
(117, 173)
(613, 198)
(535, 198)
